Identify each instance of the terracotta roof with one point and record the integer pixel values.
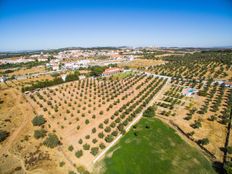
(228, 83)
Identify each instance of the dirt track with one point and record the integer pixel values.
(17, 131)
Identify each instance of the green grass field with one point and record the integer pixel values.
(154, 148)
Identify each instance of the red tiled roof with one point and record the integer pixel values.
(228, 83)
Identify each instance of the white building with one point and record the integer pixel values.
(2, 79)
(77, 65)
(130, 58)
(64, 77)
(42, 59)
(55, 67)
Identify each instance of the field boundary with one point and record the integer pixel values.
(227, 139)
(187, 139)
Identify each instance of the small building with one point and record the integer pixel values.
(111, 71)
(189, 92)
(2, 79)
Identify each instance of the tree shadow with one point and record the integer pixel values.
(218, 167)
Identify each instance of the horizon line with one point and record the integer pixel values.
(133, 47)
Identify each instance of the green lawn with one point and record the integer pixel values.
(156, 149)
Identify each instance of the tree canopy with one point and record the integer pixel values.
(51, 141)
(149, 112)
(3, 135)
(96, 70)
(38, 120)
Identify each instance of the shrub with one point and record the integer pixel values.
(86, 121)
(149, 112)
(107, 129)
(70, 148)
(71, 172)
(189, 134)
(229, 149)
(115, 133)
(196, 124)
(212, 118)
(51, 141)
(100, 126)
(40, 133)
(62, 163)
(94, 150)
(106, 121)
(86, 146)
(38, 120)
(94, 130)
(80, 141)
(94, 140)
(189, 117)
(228, 167)
(203, 141)
(112, 124)
(109, 138)
(102, 146)
(3, 135)
(120, 127)
(101, 135)
(79, 153)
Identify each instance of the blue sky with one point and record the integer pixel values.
(44, 24)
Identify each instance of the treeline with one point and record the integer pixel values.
(97, 70)
(28, 65)
(221, 57)
(48, 83)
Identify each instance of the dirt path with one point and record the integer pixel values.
(15, 134)
(12, 138)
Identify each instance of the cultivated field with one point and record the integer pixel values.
(138, 63)
(87, 115)
(203, 117)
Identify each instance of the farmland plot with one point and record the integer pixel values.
(87, 115)
(203, 117)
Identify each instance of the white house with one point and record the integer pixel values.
(77, 65)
